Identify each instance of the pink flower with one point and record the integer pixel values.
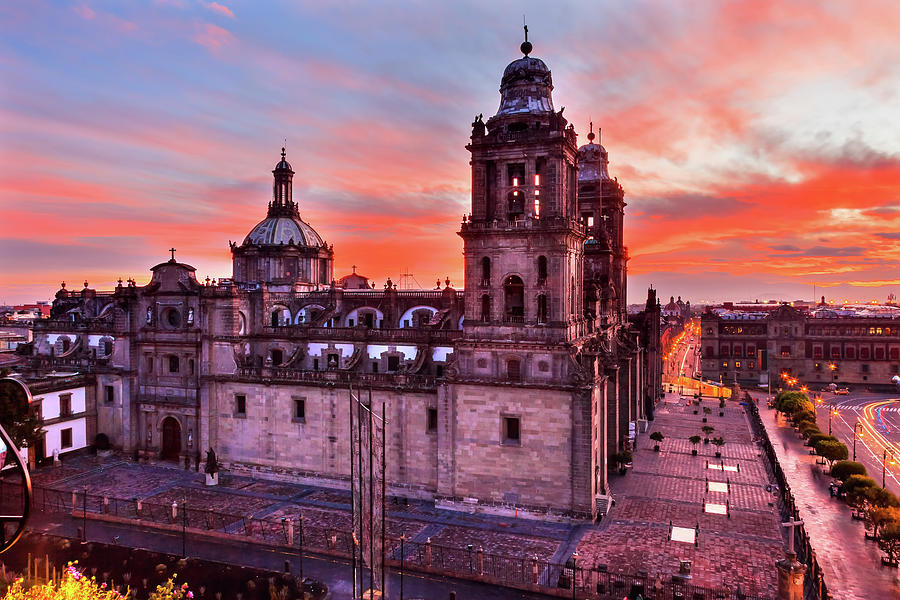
(184, 586)
(190, 594)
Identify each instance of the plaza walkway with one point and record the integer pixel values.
(851, 564)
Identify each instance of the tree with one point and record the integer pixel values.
(707, 429)
(843, 469)
(889, 541)
(719, 442)
(694, 439)
(803, 414)
(855, 484)
(880, 517)
(24, 428)
(657, 436)
(831, 451)
(808, 428)
(815, 438)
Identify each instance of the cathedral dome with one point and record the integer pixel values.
(525, 87)
(282, 230)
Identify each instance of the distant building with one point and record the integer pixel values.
(846, 345)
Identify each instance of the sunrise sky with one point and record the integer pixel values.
(758, 142)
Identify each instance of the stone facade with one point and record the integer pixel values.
(515, 390)
(840, 345)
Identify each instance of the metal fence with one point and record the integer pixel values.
(814, 585)
(590, 582)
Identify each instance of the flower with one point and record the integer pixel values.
(190, 594)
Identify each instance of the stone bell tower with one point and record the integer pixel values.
(523, 244)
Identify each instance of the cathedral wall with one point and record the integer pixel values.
(536, 471)
(271, 440)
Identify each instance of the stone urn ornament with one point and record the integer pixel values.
(212, 468)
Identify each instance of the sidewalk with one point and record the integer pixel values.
(851, 564)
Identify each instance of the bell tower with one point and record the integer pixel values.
(523, 244)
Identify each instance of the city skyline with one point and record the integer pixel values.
(753, 140)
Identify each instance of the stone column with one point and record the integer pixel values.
(790, 577)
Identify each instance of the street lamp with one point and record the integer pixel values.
(831, 411)
(574, 560)
(884, 467)
(857, 427)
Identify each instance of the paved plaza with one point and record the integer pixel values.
(735, 544)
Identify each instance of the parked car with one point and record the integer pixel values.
(842, 391)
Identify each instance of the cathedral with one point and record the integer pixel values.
(515, 391)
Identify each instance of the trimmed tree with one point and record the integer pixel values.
(694, 440)
(657, 437)
(843, 469)
(815, 438)
(831, 451)
(889, 541)
(880, 517)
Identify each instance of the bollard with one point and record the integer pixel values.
(73, 500)
(479, 560)
(290, 525)
(428, 552)
(534, 570)
(106, 505)
(138, 508)
(174, 510)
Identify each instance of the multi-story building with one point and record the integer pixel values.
(845, 345)
(514, 390)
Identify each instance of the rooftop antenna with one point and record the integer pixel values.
(526, 46)
(591, 132)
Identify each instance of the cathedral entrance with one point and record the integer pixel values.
(171, 439)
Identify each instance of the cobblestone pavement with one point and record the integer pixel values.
(851, 564)
(671, 486)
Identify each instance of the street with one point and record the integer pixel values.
(876, 419)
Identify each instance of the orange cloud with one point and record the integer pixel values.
(224, 10)
(212, 37)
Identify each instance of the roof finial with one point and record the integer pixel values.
(591, 133)
(282, 149)
(526, 46)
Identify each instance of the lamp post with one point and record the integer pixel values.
(574, 564)
(884, 467)
(84, 517)
(831, 412)
(183, 527)
(856, 427)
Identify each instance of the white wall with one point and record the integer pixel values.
(78, 423)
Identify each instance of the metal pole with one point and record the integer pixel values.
(359, 473)
(574, 564)
(301, 546)
(352, 505)
(371, 501)
(84, 517)
(183, 527)
(883, 468)
(854, 439)
(402, 557)
(383, 486)
(830, 410)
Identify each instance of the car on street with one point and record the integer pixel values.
(842, 391)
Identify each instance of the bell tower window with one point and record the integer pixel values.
(542, 309)
(541, 270)
(485, 308)
(514, 292)
(485, 271)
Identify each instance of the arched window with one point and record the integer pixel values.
(485, 271)
(277, 356)
(486, 308)
(281, 317)
(514, 369)
(106, 347)
(542, 270)
(542, 312)
(173, 364)
(514, 293)
(515, 201)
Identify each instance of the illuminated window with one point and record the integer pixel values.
(590, 221)
(537, 205)
(537, 179)
(515, 181)
(737, 365)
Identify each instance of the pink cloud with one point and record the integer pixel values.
(212, 37)
(85, 12)
(224, 10)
